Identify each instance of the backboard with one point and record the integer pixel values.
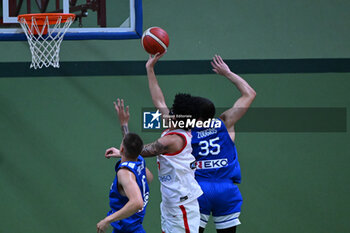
(95, 19)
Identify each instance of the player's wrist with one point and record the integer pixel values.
(150, 68)
(229, 74)
(108, 219)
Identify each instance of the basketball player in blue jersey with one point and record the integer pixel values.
(217, 165)
(176, 171)
(176, 165)
(129, 191)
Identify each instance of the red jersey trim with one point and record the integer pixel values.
(184, 215)
(177, 152)
(164, 132)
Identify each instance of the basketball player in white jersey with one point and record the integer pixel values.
(176, 167)
(212, 145)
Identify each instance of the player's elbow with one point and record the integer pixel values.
(160, 104)
(137, 204)
(149, 177)
(251, 94)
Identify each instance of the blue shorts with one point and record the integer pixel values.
(223, 200)
(125, 227)
(132, 224)
(139, 230)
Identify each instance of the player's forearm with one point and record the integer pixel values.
(130, 208)
(244, 88)
(153, 149)
(146, 152)
(155, 90)
(125, 129)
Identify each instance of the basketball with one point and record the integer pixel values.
(155, 40)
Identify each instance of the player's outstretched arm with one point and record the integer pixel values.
(168, 144)
(123, 115)
(112, 153)
(240, 107)
(156, 92)
(132, 191)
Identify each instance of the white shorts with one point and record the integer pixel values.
(221, 222)
(180, 219)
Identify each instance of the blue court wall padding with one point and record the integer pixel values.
(139, 18)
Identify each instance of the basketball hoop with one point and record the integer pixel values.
(44, 42)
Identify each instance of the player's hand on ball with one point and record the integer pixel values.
(152, 60)
(219, 66)
(123, 114)
(112, 152)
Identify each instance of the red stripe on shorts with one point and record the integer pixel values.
(185, 218)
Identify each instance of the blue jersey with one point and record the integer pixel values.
(215, 153)
(117, 201)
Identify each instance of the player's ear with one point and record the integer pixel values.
(121, 149)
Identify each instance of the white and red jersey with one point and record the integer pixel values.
(176, 173)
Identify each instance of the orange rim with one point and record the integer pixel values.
(40, 18)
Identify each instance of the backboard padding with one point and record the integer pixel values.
(123, 19)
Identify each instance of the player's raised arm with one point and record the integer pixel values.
(156, 92)
(165, 145)
(240, 107)
(132, 191)
(123, 115)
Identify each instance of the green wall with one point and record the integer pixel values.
(233, 28)
(54, 130)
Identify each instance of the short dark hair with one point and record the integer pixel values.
(182, 107)
(203, 108)
(133, 145)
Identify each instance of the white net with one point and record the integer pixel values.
(45, 40)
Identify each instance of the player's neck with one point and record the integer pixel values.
(125, 159)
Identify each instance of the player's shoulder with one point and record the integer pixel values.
(128, 164)
(175, 131)
(175, 136)
(125, 174)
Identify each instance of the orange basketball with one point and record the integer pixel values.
(155, 40)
